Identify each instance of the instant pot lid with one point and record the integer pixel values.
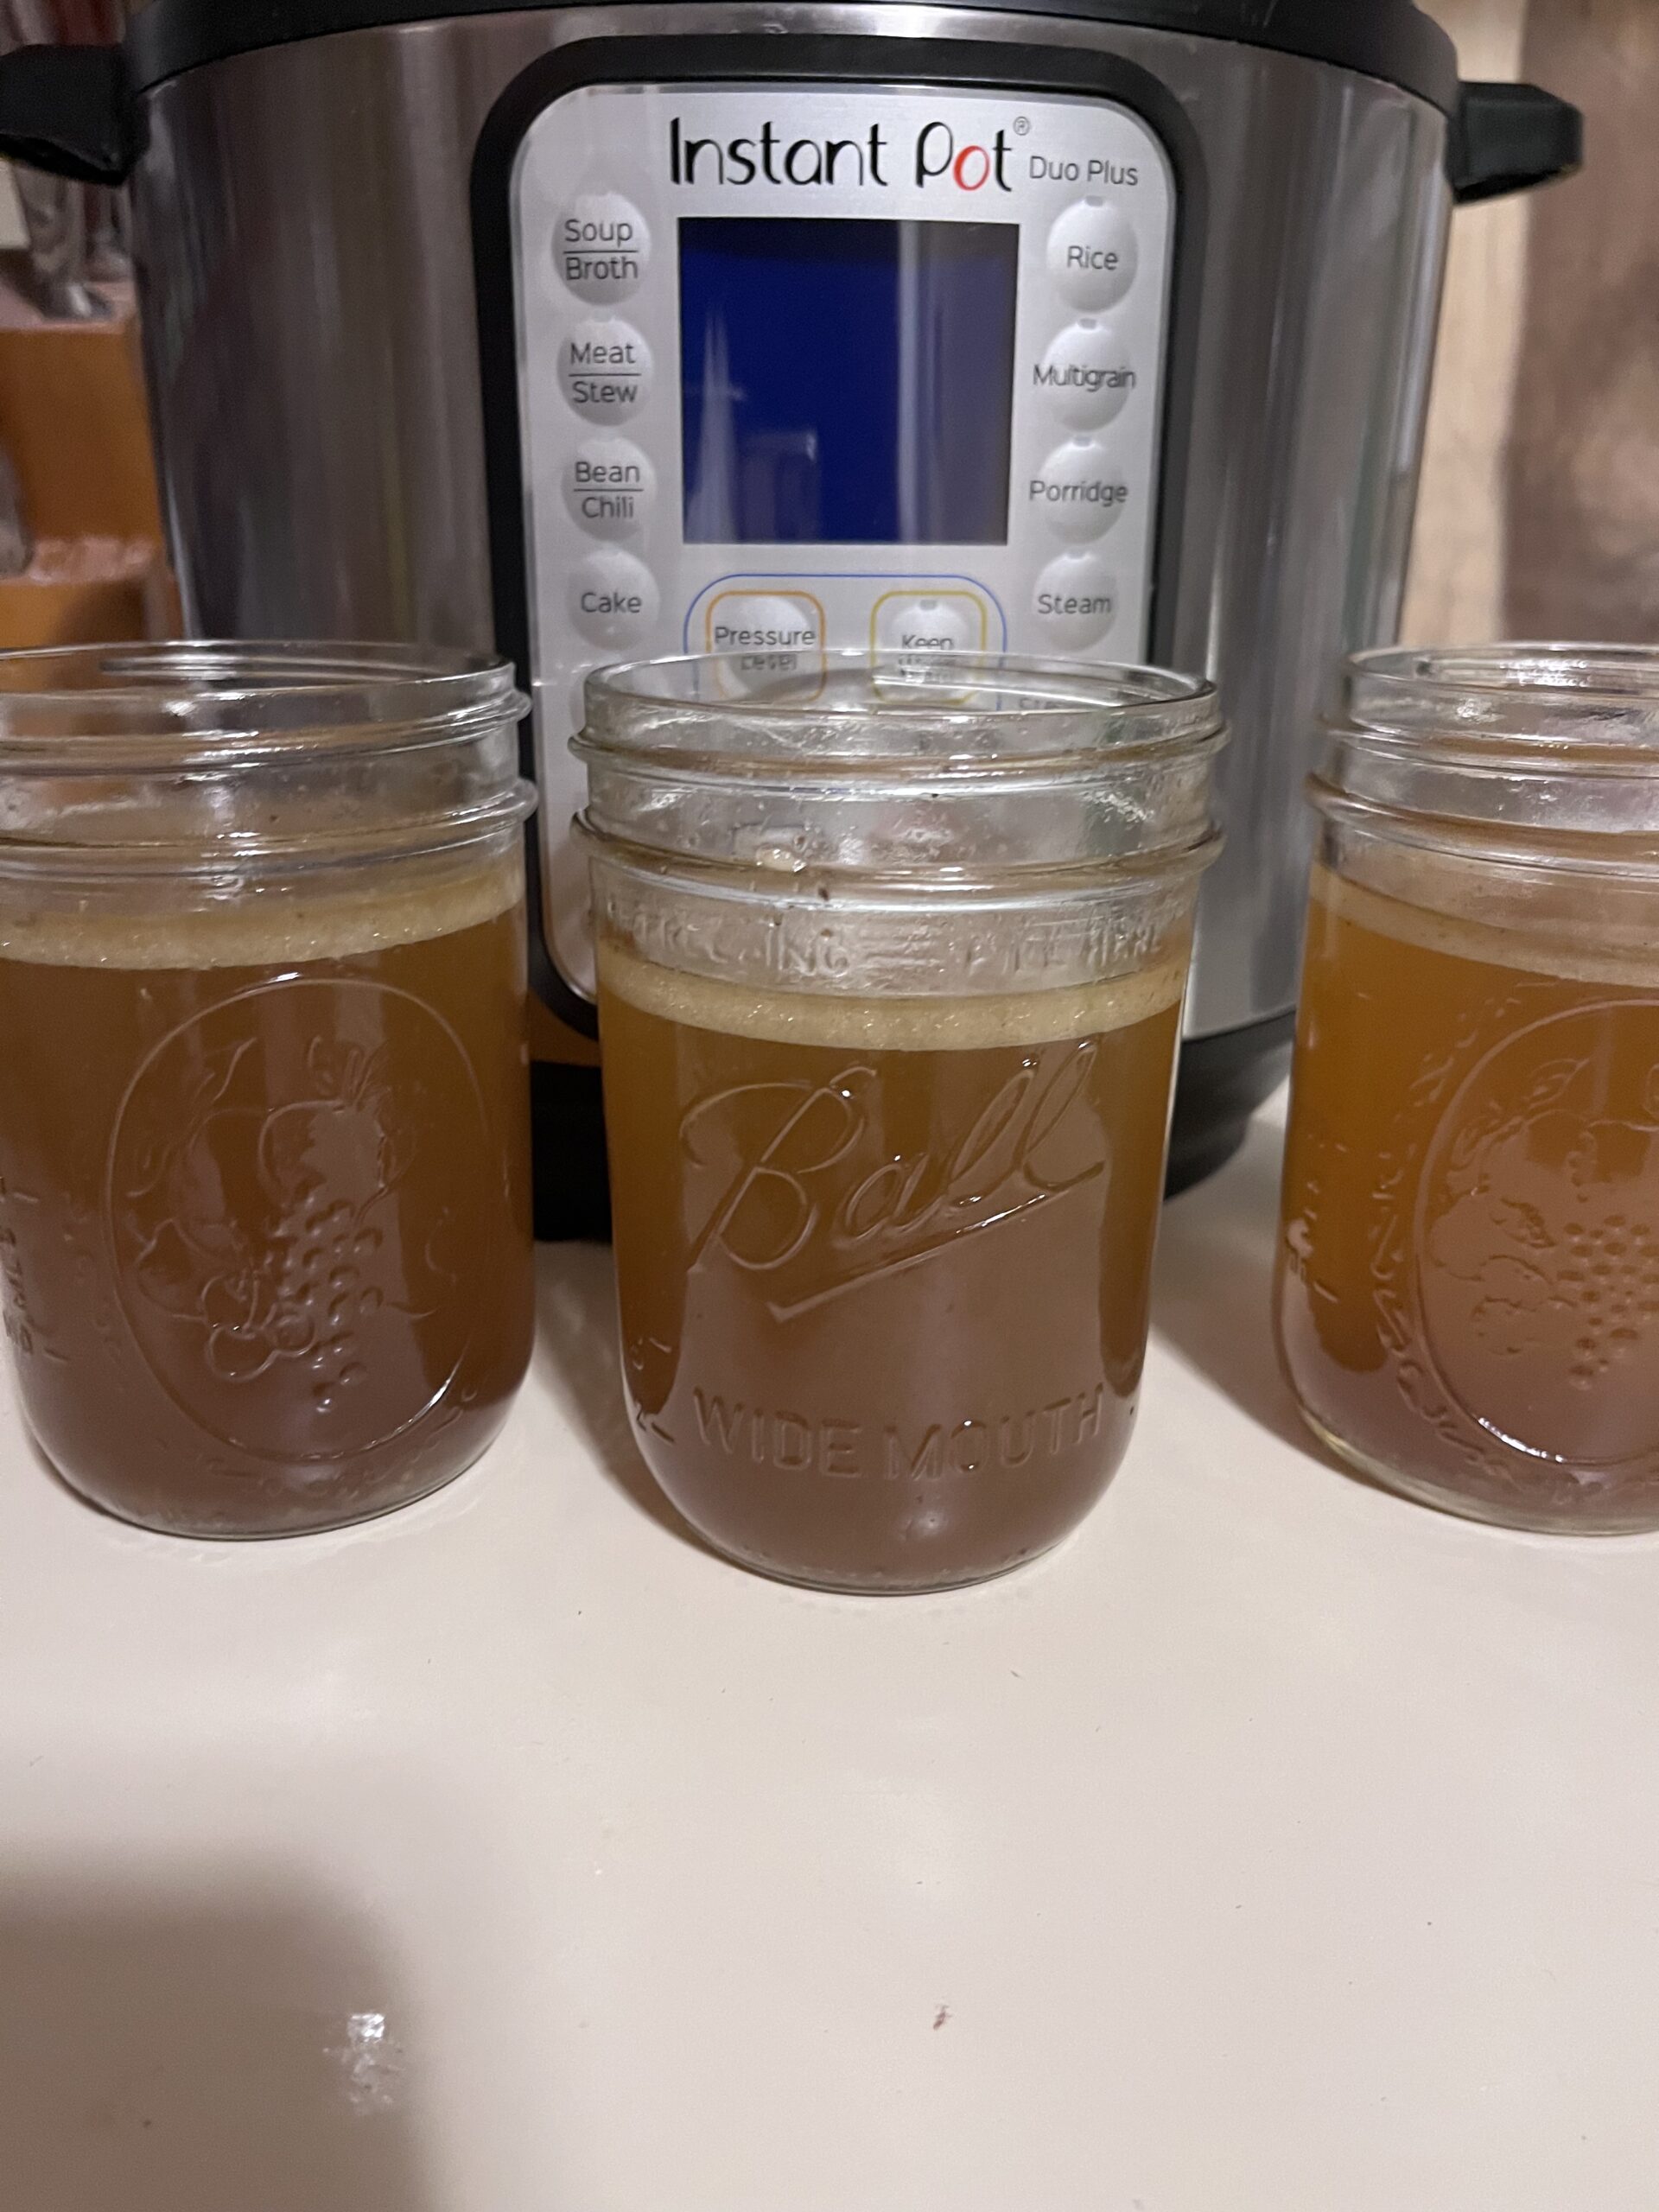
(1392, 39)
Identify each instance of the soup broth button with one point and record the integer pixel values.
(600, 247)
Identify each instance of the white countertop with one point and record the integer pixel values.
(1274, 1846)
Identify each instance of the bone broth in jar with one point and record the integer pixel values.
(1468, 1299)
(891, 969)
(264, 1231)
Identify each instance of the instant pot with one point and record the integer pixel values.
(1099, 329)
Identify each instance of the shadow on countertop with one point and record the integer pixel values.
(197, 2048)
(1212, 1294)
(577, 1357)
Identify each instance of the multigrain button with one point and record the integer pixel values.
(1091, 254)
(600, 247)
(1085, 376)
(1076, 599)
(609, 487)
(613, 598)
(1079, 490)
(604, 369)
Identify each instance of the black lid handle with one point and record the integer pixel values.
(67, 110)
(1509, 137)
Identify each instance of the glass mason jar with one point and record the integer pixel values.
(1468, 1289)
(264, 1215)
(891, 966)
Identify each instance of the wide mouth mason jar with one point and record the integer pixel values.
(891, 962)
(1468, 1291)
(264, 1227)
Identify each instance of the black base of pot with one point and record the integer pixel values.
(568, 1136)
(1223, 1080)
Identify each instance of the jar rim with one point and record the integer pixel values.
(1597, 702)
(1528, 754)
(696, 711)
(201, 702)
(204, 759)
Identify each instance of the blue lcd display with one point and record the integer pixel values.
(846, 382)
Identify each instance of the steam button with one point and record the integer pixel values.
(1092, 256)
(1086, 376)
(604, 369)
(1075, 598)
(612, 597)
(600, 247)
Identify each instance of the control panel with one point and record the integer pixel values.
(803, 366)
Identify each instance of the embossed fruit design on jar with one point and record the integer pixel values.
(1538, 1244)
(292, 1188)
(1468, 1298)
(266, 1239)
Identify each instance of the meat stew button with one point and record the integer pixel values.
(604, 369)
(1075, 598)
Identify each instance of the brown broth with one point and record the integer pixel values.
(265, 1218)
(1468, 1296)
(884, 1265)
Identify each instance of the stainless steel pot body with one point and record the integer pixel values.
(305, 252)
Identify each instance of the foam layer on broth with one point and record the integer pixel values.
(917, 1025)
(1576, 929)
(267, 925)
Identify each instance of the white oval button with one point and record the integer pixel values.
(1092, 256)
(609, 487)
(1079, 492)
(600, 247)
(604, 369)
(1076, 599)
(766, 637)
(614, 598)
(942, 622)
(1085, 374)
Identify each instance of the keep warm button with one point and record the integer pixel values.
(932, 622)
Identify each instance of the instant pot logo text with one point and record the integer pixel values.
(937, 157)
